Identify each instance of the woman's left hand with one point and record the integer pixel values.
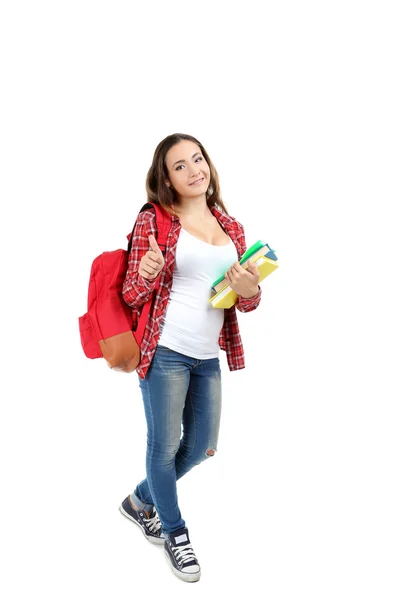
(243, 281)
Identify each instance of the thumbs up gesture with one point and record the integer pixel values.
(153, 261)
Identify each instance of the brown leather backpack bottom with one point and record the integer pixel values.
(121, 352)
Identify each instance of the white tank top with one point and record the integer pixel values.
(190, 324)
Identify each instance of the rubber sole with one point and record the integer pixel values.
(188, 577)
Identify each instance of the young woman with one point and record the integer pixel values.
(179, 374)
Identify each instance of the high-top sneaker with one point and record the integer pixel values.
(181, 556)
(149, 524)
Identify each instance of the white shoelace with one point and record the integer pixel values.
(184, 554)
(153, 523)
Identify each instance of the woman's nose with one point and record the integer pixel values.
(194, 171)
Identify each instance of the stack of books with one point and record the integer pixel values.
(265, 260)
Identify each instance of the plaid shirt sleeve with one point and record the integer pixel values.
(248, 304)
(136, 290)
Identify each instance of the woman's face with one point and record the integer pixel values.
(186, 165)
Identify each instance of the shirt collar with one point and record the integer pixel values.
(226, 221)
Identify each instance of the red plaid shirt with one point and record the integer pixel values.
(137, 290)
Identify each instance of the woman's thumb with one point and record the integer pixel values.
(153, 244)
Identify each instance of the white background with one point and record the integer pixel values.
(297, 104)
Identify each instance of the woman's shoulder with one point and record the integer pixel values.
(146, 218)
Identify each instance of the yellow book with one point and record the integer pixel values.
(261, 252)
(226, 297)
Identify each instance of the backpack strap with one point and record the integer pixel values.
(164, 221)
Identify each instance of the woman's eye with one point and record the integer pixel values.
(198, 158)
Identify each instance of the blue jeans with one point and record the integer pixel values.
(180, 394)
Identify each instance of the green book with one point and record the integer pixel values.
(249, 252)
(226, 297)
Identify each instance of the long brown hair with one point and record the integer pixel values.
(158, 191)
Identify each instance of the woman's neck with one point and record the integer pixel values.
(193, 211)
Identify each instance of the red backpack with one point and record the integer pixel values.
(106, 329)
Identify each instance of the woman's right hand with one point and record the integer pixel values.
(153, 261)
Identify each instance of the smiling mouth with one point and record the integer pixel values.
(198, 181)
